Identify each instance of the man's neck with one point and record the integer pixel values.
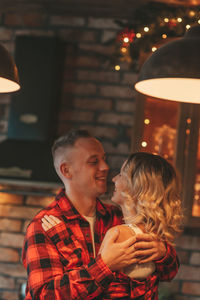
(84, 205)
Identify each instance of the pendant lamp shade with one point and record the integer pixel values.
(173, 71)
(9, 79)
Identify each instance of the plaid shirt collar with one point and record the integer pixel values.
(70, 211)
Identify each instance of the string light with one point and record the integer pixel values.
(191, 13)
(123, 50)
(146, 121)
(189, 121)
(187, 131)
(117, 67)
(138, 35)
(144, 144)
(126, 40)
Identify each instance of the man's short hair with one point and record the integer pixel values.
(69, 139)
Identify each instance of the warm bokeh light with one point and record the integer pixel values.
(117, 67)
(144, 144)
(126, 40)
(123, 50)
(138, 35)
(146, 121)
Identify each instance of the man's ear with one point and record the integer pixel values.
(65, 170)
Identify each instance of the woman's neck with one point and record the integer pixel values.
(128, 213)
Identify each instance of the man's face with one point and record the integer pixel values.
(88, 168)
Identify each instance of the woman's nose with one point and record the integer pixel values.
(114, 178)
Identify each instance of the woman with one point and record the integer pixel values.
(148, 192)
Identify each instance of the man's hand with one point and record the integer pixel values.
(148, 248)
(117, 255)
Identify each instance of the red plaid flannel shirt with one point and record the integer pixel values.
(61, 265)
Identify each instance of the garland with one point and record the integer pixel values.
(152, 25)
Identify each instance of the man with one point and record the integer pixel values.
(62, 261)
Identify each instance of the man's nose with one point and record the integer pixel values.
(104, 165)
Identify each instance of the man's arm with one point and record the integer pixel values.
(163, 255)
(47, 278)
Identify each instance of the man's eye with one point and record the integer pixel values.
(93, 162)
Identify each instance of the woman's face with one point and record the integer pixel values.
(120, 182)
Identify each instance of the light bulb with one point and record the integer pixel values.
(117, 67)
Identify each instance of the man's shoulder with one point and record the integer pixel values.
(51, 209)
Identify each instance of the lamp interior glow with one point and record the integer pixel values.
(9, 78)
(8, 86)
(175, 89)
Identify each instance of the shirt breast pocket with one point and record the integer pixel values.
(68, 247)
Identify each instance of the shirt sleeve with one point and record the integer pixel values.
(168, 266)
(47, 278)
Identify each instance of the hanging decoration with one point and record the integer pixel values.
(152, 25)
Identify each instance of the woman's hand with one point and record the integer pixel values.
(49, 221)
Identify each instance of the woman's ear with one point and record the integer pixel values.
(65, 170)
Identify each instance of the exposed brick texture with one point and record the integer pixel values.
(192, 288)
(6, 282)
(195, 258)
(9, 255)
(10, 199)
(17, 211)
(10, 225)
(26, 20)
(93, 104)
(63, 21)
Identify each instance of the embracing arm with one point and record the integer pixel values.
(149, 249)
(163, 255)
(46, 276)
(42, 254)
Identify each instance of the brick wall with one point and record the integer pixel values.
(16, 211)
(93, 97)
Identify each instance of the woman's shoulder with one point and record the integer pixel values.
(125, 232)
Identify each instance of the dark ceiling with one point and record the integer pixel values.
(95, 8)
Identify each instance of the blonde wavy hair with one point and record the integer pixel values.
(153, 190)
